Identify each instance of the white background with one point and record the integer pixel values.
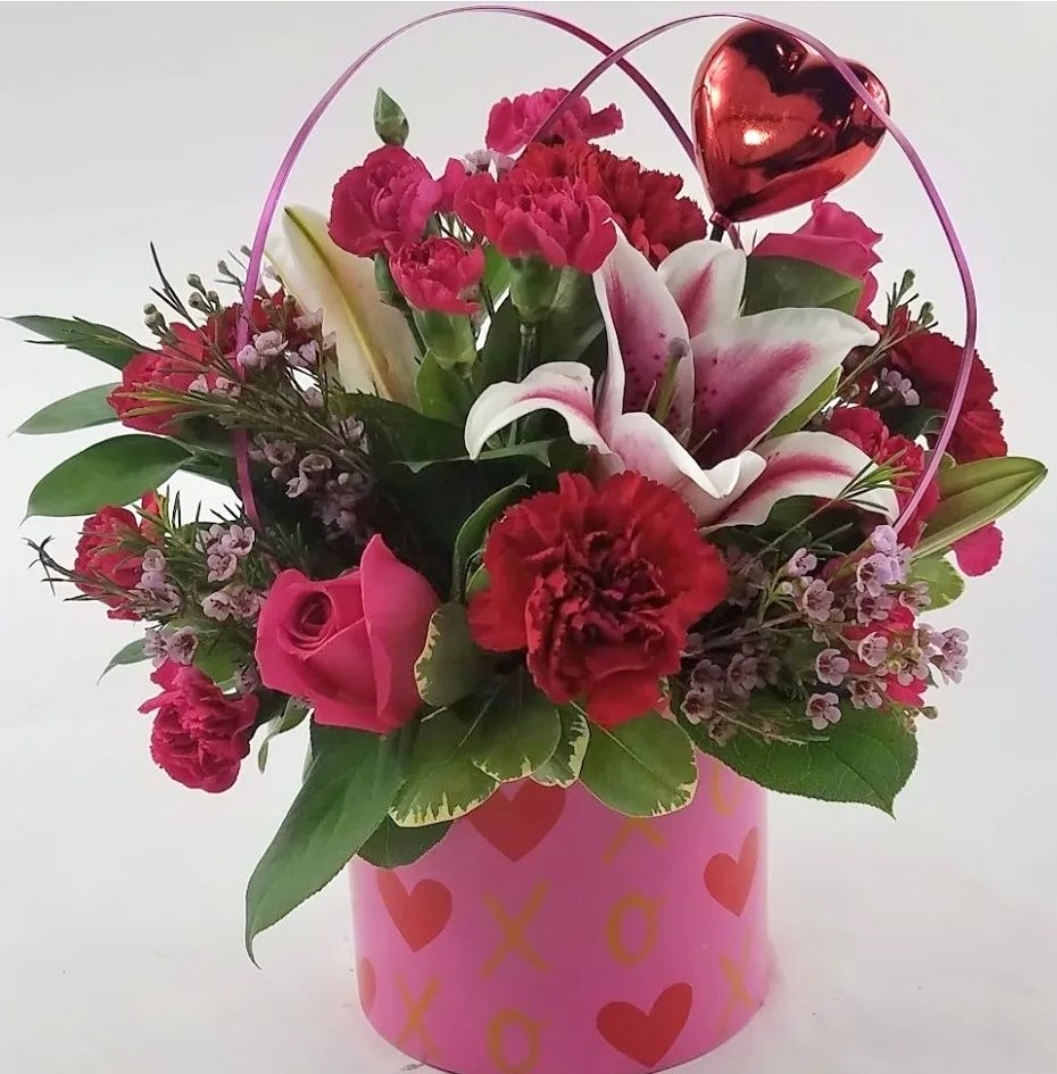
(926, 945)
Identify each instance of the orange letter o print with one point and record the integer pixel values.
(628, 904)
(497, 1045)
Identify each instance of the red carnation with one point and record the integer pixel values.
(645, 204)
(527, 215)
(173, 368)
(200, 735)
(600, 586)
(437, 274)
(110, 551)
(387, 201)
(931, 362)
(512, 124)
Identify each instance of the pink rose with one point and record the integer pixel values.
(200, 734)
(388, 201)
(530, 215)
(835, 239)
(436, 274)
(348, 646)
(512, 124)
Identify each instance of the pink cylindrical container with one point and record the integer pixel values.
(548, 935)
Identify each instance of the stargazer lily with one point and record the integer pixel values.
(374, 344)
(692, 389)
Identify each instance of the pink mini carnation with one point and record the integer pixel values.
(388, 200)
(200, 735)
(528, 215)
(437, 274)
(512, 124)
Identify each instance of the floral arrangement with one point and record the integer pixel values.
(529, 478)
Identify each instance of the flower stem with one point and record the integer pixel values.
(528, 353)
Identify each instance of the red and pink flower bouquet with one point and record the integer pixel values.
(561, 527)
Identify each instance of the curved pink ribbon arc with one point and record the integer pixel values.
(616, 57)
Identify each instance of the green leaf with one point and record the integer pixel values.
(442, 782)
(498, 360)
(442, 393)
(133, 653)
(642, 768)
(348, 788)
(518, 731)
(397, 433)
(390, 123)
(867, 757)
(497, 271)
(800, 415)
(911, 421)
(474, 530)
(945, 583)
(95, 340)
(82, 410)
(562, 768)
(773, 283)
(392, 846)
(220, 655)
(292, 716)
(452, 665)
(972, 494)
(115, 471)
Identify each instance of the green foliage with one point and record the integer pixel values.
(471, 537)
(944, 582)
(452, 665)
(115, 471)
(562, 768)
(800, 415)
(293, 714)
(82, 410)
(518, 730)
(442, 782)
(642, 768)
(95, 340)
(348, 787)
(497, 270)
(392, 846)
(219, 655)
(867, 757)
(498, 359)
(396, 433)
(442, 393)
(911, 421)
(133, 653)
(390, 123)
(773, 283)
(974, 494)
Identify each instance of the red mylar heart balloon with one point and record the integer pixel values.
(776, 126)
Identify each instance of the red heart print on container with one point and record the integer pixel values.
(419, 914)
(647, 1037)
(518, 824)
(729, 880)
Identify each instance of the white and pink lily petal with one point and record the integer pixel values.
(735, 492)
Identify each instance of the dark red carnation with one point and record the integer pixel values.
(173, 368)
(860, 426)
(528, 215)
(438, 274)
(600, 586)
(387, 201)
(931, 362)
(645, 204)
(221, 329)
(109, 559)
(200, 735)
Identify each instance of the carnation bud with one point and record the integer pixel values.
(533, 287)
(388, 292)
(448, 338)
(390, 123)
